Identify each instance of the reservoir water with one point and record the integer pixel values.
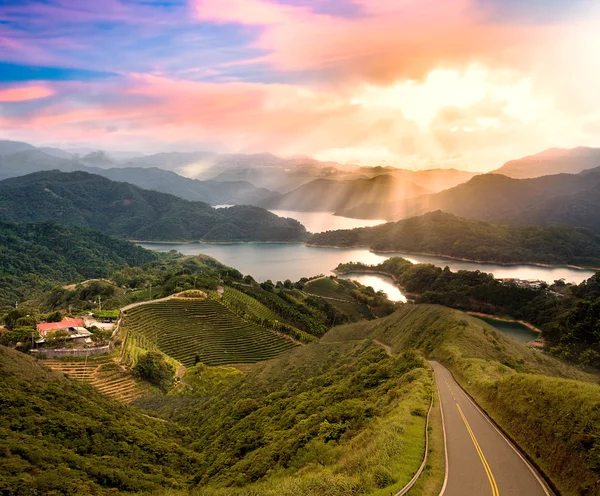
(316, 222)
(513, 329)
(293, 261)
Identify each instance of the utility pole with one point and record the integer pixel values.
(150, 291)
(100, 302)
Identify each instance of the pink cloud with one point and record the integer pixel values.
(24, 93)
(392, 40)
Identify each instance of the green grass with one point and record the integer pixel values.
(183, 329)
(551, 409)
(321, 420)
(340, 290)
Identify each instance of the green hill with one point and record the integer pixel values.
(323, 419)
(551, 409)
(445, 234)
(188, 328)
(126, 211)
(35, 256)
(63, 437)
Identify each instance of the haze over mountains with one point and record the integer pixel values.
(305, 184)
(552, 161)
(562, 199)
(323, 195)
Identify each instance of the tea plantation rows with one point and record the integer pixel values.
(184, 328)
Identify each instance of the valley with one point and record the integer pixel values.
(299, 248)
(293, 351)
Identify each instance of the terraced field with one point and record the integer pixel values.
(236, 299)
(184, 328)
(103, 373)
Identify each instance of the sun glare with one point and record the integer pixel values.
(422, 101)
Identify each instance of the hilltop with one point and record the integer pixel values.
(126, 211)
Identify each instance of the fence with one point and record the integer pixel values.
(74, 352)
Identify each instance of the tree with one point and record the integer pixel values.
(54, 338)
(152, 367)
(54, 316)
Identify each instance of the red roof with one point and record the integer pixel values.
(63, 324)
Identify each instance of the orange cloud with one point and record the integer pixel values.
(24, 93)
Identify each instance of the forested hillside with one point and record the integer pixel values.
(562, 199)
(445, 234)
(124, 210)
(35, 256)
(62, 437)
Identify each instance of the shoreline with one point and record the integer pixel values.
(458, 259)
(198, 242)
(377, 252)
(504, 319)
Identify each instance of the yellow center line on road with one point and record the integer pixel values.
(486, 467)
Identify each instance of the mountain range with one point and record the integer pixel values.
(124, 210)
(562, 199)
(552, 161)
(326, 195)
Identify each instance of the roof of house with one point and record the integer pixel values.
(63, 324)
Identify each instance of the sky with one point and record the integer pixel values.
(411, 83)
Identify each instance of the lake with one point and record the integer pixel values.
(378, 283)
(513, 329)
(316, 222)
(281, 261)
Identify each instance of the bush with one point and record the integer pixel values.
(152, 367)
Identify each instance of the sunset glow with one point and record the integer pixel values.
(452, 83)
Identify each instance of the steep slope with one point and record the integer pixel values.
(124, 210)
(330, 196)
(552, 161)
(445, 234)
(63, 437)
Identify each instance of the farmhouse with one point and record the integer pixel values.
(67, 324)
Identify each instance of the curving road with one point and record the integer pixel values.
(480, 461)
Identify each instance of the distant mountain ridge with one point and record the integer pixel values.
(563, 199)
(552, 161)
(325, 195)
(124, 210)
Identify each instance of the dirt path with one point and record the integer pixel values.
(387, 348)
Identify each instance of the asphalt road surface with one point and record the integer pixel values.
(480, 461)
